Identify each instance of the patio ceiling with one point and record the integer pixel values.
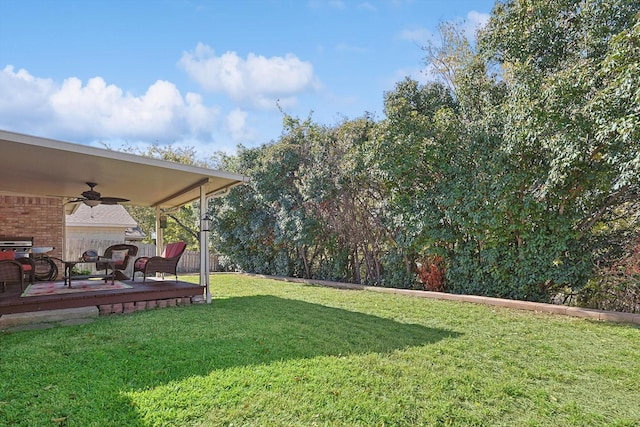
(47, 167)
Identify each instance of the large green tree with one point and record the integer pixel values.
(518, 164)
(570, 111)
(313, 206)
(507, 174)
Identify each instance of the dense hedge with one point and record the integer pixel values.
(517, 166)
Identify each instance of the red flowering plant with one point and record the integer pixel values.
(431, 271)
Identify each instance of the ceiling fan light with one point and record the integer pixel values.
(91, 203)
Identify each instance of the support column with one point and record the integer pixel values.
(159, 238)
(204, 245)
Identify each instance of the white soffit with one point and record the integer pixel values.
(47, 167)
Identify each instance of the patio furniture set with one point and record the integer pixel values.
(17, 266)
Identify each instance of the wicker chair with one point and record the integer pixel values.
(11, 271)
(27, 266)
(120, 253)
(165, 263)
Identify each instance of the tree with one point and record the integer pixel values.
(464, 191)
(518, 178)
(409, 164)
(568, 102)
(552, 55)
(314, 205)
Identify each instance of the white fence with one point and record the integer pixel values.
(189, 262)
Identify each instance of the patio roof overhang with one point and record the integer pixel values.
(46, 167)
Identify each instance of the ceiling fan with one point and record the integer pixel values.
(92, 198)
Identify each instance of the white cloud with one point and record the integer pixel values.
(469, 25)
(257, 81)
(475, 20)
(200, 117)
(236, 124)
(331, 4)
(337, 4)
(24, 99)
(420, 36)
(347, 48)
(368, 6)
(97, 110)
(421, 75)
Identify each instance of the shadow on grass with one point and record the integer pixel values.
(81, 372)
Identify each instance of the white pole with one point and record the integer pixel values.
(159, 237)
(204, 245)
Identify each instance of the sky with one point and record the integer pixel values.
(211, 75)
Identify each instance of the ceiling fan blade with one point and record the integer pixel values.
(112, 200)
(91, 195)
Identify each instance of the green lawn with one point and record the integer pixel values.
(281, 354)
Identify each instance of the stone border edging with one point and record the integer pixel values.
(587, 313)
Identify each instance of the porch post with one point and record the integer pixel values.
(159, 238)
(204, 245)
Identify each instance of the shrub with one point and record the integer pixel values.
(431, 273)
(616, 285)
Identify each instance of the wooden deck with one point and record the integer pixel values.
(140, 297)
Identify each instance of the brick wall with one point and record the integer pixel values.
(29, 216)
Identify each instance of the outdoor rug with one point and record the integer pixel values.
(56, 288)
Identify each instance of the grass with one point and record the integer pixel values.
(280, 354)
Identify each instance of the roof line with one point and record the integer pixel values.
(112, 154)
(181, 192)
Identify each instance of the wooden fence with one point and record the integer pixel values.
(189, 262)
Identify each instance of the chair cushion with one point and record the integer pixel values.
(7, 255)
(140, 263)
(119, 256)
(174, 249)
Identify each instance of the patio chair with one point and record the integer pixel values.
(120, 253)
(28, 266)
(15, 269)
(165, 263)
(11, 271)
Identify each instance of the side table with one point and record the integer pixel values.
(68, 267)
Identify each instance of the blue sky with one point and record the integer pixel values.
(207, 74)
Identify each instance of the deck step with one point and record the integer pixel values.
(47, 316)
